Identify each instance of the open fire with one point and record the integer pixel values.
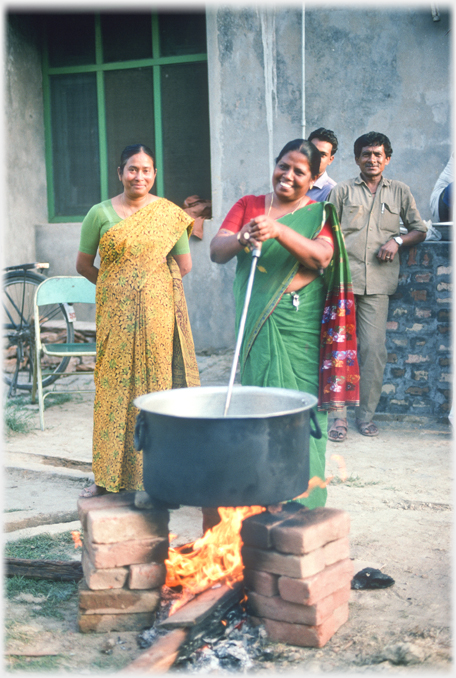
(216, 557)
(213, 559)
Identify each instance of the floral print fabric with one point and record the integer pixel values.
(144, 340)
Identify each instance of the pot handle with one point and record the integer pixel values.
(140, 431)
(316, 433)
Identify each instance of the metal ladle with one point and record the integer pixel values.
(255, 256)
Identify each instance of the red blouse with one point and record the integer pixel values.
(251, 206)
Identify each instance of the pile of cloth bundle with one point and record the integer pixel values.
(125, 544)
(297, 572)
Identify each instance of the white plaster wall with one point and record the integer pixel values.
(24, 191)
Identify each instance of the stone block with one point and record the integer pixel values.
(256, 530)
(336, 550)
(104, 623)
(304, 635)
(127, 552)
(264, 583)
(111, 578)
(103, 501)
(117, 601)
(281, 563)
(147, 576)
(309, 530)
(282, 610)
(312, 589)
(117, 524)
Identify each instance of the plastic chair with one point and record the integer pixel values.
(59, 290)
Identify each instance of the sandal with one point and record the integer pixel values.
(92, 491)
(367, 428)
(338, 431)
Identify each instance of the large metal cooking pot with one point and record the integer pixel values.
(257, 455)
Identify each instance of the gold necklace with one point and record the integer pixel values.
(282, 215)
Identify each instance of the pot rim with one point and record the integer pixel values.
(308, 400)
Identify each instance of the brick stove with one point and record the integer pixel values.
(297, 570)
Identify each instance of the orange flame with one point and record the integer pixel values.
(76, 538)
(213, 559)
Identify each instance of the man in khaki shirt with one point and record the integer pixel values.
(369, 208)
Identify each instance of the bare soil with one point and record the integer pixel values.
(397, 491)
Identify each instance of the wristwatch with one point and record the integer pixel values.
(398, 239)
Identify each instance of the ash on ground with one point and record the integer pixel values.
(228, 645)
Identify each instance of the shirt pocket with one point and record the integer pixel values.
(390, 218)
(354, 217)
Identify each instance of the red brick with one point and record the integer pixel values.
(256, 530)
(280, 563)
(104, 623)
(127, 552)
(308, 530)
(312, 589)
(147, 576)
(109, 526)
(103, 501)
(112, 578)
(336, 550)
(117, 601)
(262, 582)
(294, 613)
(307, 636)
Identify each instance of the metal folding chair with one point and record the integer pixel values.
(59, 290)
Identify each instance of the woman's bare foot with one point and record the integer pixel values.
(92, 491)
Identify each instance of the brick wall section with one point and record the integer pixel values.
(417, 379)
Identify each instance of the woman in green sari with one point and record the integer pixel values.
(300, 329)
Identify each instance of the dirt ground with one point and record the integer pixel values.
(397, 491)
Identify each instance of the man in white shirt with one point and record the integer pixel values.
(326, 142)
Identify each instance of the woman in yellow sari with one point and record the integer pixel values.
(144, 340)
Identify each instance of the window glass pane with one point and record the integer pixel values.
(182, 33)
(71, 39)
(126, 36)
(75, 152)
(185, 112)
(129, 100)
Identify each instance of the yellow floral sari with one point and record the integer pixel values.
(144, 339)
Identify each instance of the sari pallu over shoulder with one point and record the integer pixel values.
(339, 373)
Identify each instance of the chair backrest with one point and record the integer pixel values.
(65, 289)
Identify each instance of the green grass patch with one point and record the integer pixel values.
(44, 664)
(46, 546)
(15, 417)
(59, 399)
(53, 592)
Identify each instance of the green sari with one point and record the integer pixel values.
(282, 345)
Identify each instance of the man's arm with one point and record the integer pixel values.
(388, 251)
(412, 221)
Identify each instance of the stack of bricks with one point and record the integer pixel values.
(297, 572)
(124, 549)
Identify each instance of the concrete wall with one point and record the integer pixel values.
(25, 172)
(387, 71)
(252, 116)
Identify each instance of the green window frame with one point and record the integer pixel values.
(100, 68)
